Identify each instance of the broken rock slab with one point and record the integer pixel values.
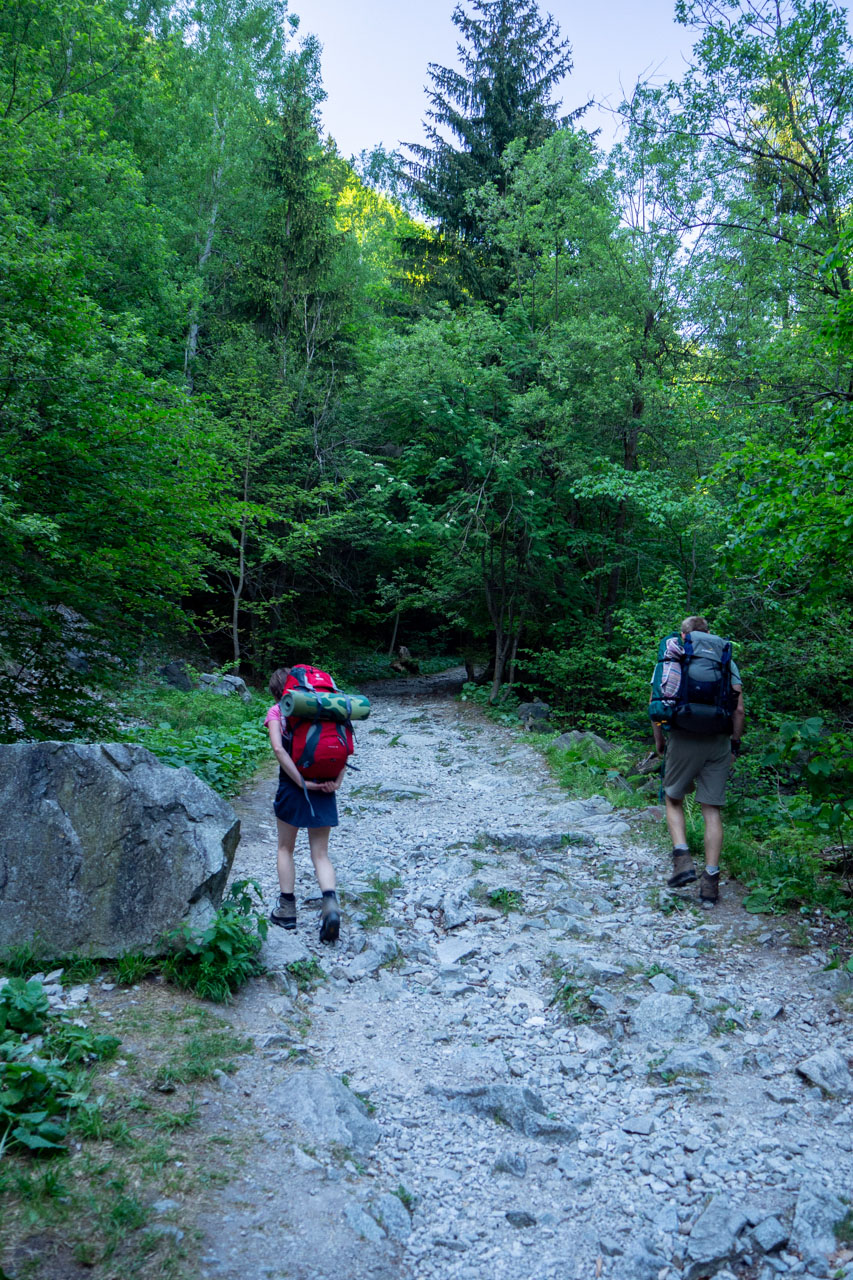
(127, 847)
(392, 1215)
(452, 950)
(326, 1109)
(662, 1017)
(693, 1061)
(829, 1071)
(714, 1239)
(817, 1213)
(520, 1109)
(283, 947)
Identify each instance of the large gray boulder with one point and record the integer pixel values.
(103, 848)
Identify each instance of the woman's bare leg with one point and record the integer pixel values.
(318, 840)
(286, 845)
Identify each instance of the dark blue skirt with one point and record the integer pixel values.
(291, 806)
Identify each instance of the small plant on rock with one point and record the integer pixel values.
(376, 899)
(844, 1229)
(405, 1197)
(306, 973)
(505, 900)
(572, 999)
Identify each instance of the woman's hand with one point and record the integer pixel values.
(332, 786)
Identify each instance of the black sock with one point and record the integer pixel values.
(329, 893)
(287, 897)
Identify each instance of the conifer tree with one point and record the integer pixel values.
(511, 60)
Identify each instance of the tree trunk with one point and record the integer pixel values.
(237, 588)
(393, 643)
(503, 644)
(514, 654)
(191, 346)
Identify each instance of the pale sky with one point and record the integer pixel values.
(375, 56)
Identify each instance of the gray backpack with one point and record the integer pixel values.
(705, 700)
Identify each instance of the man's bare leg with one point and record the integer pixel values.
(676, 823)
(682, 863)
(713, 834)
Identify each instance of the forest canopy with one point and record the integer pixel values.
(512, 394)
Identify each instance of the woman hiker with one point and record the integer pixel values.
(293, 810)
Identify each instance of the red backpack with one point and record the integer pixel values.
(319, 748)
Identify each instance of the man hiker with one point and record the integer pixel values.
(702, 691)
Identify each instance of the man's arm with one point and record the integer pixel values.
(738, 718)
(660, 741)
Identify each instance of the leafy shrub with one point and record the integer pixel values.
(586, 770)
(821, 765)
(23, 1007)
(216, 961)
(503, 711)
(505, 900)
(221, 759)
(41, 1081)
(220, 739)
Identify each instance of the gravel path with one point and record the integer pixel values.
(684, 1110)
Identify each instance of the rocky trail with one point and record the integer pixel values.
(430, 1109)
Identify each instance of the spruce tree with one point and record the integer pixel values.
(511, 59)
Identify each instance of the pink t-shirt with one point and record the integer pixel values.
(274, 713)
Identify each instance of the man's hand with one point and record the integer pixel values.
(660, 742)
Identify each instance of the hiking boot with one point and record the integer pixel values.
(682, 868)
(285, 913)
(709, 889)
(330, 918)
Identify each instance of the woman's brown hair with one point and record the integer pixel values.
(277, 681)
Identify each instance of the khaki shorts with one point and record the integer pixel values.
(695, 760)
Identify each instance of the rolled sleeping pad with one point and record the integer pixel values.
(339, 707)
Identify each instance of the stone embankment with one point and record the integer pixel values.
(526, 1063)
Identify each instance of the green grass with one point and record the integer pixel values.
(137, 1140)
(376, 899)
(131, 967)
(207, 1047)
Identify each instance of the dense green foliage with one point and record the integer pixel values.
(221, 739)
(42, 1068)
(517, 397)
